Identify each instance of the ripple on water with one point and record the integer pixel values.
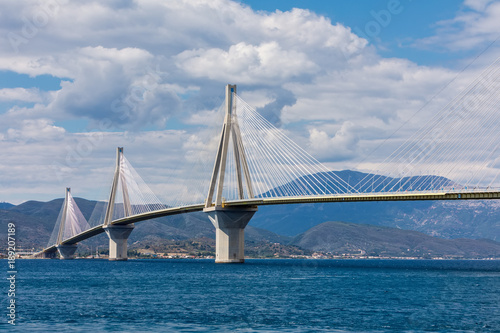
(260, 296)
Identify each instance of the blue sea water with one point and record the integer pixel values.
(258, 296)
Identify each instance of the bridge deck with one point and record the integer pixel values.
(397, 196)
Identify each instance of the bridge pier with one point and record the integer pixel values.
(118, 235)
(49, 254)
(67, 251)
(230, 226)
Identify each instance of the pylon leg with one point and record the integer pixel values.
(230, 232)
(118, 235)
(67, 251)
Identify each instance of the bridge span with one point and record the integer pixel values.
(478, 195)
(256, 165)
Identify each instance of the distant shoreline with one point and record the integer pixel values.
(262, 258)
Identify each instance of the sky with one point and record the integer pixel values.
(80, 78)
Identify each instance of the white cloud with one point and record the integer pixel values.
(129, 67)
(122, 85)
(341, 146)
(303, 29)
(35, 130)
(477, 25)
(32, 95)
(478, 5)
(40, 160)
(247, 63)
(381, 94)
(132, 64)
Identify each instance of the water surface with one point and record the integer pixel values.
(258, 296)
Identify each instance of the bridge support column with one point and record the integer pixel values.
(67, 251)
(118, 235)
(50, 255)
(230, 226)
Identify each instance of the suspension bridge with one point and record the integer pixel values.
(453, 157)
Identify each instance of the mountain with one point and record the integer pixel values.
(361, 182)
(193, 225)
(5, 205)
(35, 222)
(349, 238)
(472, 219)
(447, 219)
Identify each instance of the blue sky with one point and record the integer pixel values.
(413, 20)
(78, 79)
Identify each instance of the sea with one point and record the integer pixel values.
(197, 295)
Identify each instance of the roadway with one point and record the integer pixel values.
(390, 196)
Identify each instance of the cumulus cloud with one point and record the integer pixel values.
(272, 110)
(377, 98)
(342, 146)
(244, 63)
(32, 95)
(35, 130)
(129, 67)
(120, 85)
(110, 67)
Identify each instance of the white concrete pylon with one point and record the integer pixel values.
(118, 235)
(230, 130)
(66, 251)
(118, 178)
(229, 223)
(62, 225)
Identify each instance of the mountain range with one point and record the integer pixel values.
(473, 219)
(348, 238)
(5, 205)
(447, 219)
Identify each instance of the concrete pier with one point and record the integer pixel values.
(230, 232)
(67, 251)
(49, 255)
(118, 235)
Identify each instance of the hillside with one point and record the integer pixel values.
(35, 221)
(364, 182)
(446, 219)
(348, 238)
(5, 205)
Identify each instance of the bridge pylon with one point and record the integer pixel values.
(118, 234)
(66, 251)
(229, 223)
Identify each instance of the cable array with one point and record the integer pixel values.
(454, 150)
(278, 167)
(55, 231)
(74, 222)
(98, 214)
(140, 196)
(457, 149)
(192, 177)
